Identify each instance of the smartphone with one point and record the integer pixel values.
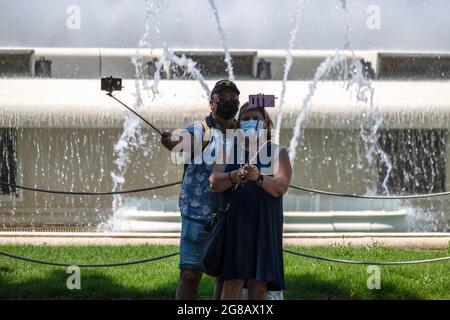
(261, 100)
(111, 84)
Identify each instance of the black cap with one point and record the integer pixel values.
(224, 84)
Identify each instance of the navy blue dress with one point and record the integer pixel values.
(254, 233)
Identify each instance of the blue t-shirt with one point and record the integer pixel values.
(197, 200)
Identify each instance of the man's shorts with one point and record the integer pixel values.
(192, 243)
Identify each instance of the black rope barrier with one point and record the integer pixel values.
(373, 197)
(328, 193)
(83, 193)
(105, 265)
(385, 263)
(296, 253)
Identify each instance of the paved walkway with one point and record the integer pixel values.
(391, 240)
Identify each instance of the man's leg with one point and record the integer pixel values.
(192, 241)
(188, 284)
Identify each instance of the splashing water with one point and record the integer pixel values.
(132, 137)
(369, 128)
(336, 63)
(344, 4)
(189, 66)
(144, 42)
(227, 60)
(372, 146)
(428, 219)
(287, 69)
(365, 94)
(159, 64)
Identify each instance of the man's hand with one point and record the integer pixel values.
(252, 172)
(166, 139)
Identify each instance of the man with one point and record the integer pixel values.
(197, 201)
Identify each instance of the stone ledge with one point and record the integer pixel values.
(429, 241)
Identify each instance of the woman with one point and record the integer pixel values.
(253, 255)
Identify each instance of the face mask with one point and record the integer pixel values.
(251, 125)
(227, 109)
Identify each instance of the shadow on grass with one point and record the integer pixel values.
(311, 286)
(97, 284)
(94, 285)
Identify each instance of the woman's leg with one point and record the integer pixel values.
(218, 289)
(232, 289)
(257, 290)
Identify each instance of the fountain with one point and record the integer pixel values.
(342, 130)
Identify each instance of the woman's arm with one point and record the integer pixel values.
(221, 181)
(277, 185)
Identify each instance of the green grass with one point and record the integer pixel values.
(305, 278)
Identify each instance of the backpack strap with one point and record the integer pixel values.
(206, 135)
(205, 140)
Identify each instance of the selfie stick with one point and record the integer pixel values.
(261, 110)
(137, 114)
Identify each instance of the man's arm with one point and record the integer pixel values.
(169, 141)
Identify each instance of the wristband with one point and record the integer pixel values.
(260, 180)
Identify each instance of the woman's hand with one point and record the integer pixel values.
(252, 172)
(241, 175)
(278, 184)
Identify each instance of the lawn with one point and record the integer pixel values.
(305, 278)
